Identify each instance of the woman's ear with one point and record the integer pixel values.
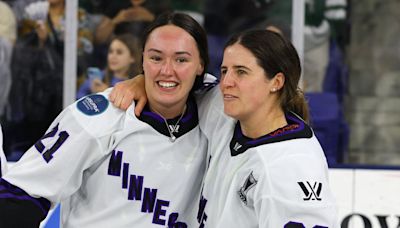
(200, 70)
(278, 81)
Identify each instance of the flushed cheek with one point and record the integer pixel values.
(151, 68)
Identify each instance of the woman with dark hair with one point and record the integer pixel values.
(270, 170)
(265, 166)
(123, 62)
(109, 168)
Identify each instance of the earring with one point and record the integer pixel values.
(273, 90)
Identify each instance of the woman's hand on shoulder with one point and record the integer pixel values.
(126, 91)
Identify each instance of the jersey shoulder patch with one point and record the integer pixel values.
(97, 115)
(93, 104)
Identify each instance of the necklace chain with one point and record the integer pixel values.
(172, 137)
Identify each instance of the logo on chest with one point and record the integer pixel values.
(174, 129)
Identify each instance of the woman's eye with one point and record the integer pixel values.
(155, 58)
(241, 72)
(223, 72)
(181, 60)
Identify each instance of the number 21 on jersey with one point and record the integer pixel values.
(47, 151)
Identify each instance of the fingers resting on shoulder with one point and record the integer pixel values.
(125, 92)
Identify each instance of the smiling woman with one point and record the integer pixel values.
(109, 168)
(170, 64)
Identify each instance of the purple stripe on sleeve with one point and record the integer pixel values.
(25, 198)
(9, 191)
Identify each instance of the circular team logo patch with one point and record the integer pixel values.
(93, 104)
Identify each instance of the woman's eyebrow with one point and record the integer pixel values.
(241, 67)
(176, 53)
(155, 50)
(183, 53)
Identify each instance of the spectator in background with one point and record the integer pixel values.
(18, 7)
(50, 28)
(37, 73)
(8, 24)
(128, 16)
(8, 30)
(123, 62)
(55, 28)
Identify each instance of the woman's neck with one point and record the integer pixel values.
(168, 112)
(121, 74)
(257, 127)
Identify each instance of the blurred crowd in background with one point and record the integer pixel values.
(109, 50)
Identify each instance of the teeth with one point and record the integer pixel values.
(167, 84)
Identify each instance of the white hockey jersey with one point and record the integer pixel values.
(110, 169)
(3, 161)
(275, 181)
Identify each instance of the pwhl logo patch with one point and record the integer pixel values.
(174, 129)
(311, 192)
(237, 146)
(248, 184)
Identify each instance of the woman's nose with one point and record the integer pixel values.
(167, 68)
(227, 79)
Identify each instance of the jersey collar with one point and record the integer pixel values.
(189, 120)
(295, 129)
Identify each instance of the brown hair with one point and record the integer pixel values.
(133, 45)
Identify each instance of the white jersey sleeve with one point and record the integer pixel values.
(3, 161)
(211, 112)
(79, 137)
